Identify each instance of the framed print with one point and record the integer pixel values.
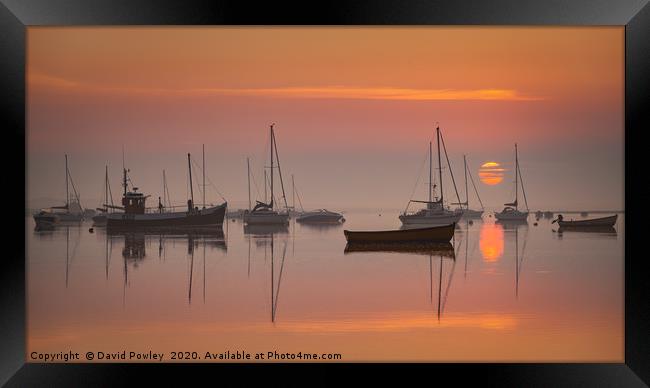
(378, 188)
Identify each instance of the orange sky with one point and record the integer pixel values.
(346, 92)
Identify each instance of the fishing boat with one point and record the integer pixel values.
(135, 214)
(265, 213)
(467, 212)
(435, 212)
(437, 234)
(70, 212)
(511, 210)
(604, 222)
(104, 210)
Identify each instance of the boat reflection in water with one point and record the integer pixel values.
(266, 229)
(322, 226)
(439, 251)
(600, 231)
(135, 243)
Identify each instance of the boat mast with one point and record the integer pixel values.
(284, 194)
(67, 193)
(265, 186)
(106, 190)
(523, 190)
(189, 166)
(516, 181)
(248, 167)
(293, 194)
(271, 142)
(439, 166)
(204, 176)
(466, 191)
(430, 174)
(124, 184)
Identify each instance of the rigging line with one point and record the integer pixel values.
(277, 291)
(299, 200)
(209, 181)
(474, 186)
(521, 179)
(451, 172)
(257, 189)
(451, 277)
(277, 158)
(417, 182)
(523, 250)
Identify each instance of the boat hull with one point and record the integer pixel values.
(46, 221)
(266, 218)
(320, 218)
(435, 219)
(511, 216)
(100, 219)
(469, 213)
(606, 222)
(212, 217)
(437, 234)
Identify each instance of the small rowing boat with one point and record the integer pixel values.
(438, 234)
(594, 222)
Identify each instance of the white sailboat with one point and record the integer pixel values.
(435, 212)
(265, 213)
(511, 210)
(467, 212)
(70, 212)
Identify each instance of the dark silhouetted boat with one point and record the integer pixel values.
(606, 222)
(437, 234)
(135, 215)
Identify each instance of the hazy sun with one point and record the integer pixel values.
(491, 173)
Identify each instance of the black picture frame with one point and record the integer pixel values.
(17, 15)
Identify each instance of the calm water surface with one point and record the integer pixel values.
(511, 293)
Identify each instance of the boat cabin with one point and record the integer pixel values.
(134, 202)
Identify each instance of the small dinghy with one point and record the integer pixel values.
(437, 234)
(594, 222)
